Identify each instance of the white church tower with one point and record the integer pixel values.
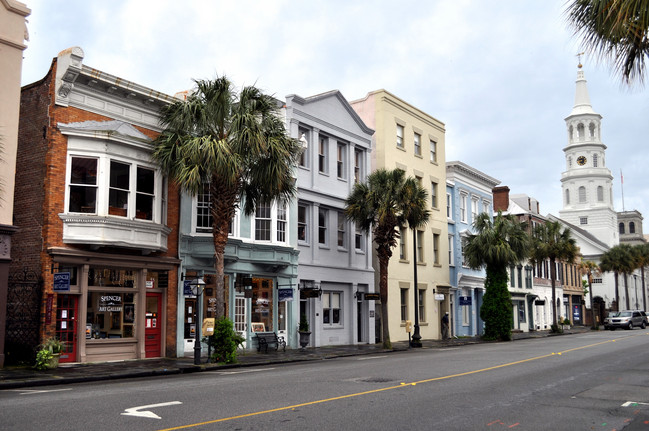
(587, 182)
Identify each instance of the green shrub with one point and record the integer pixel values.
(556, 329)
(304, 324)
(43, 358)
(496, 309)
(224, 342)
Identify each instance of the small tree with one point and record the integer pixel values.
(225, 341)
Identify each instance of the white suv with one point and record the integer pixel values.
(627, 319)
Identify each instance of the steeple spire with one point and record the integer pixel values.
(582, 100)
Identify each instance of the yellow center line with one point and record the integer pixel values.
(402, 385)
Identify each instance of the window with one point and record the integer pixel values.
(474, 209)
(399, 136)
(420, 246)
(203, 214)
(83, 185)
(600, 194)
(404, 305)
(359, 240)
(331, 308)
(433, 151)
(322, 154)
(144, 193)
(403, 251)
(622, 228)
(512, 280)
(519, 272)
(340, 162)
(436, 248)
(528, 277)
(417, 139)
(594, 160)
(567, 197)
(302, 222)
(304, 141)
(583, 220)
(422, 305)
(450, 250)
(323, 215)
(433, 194)
(118, 192)
(582, 194)
(358, 166)
(463, 208)
(449, 213)
(631, 227)
(341, 230)
(281, 221)
(262, 222)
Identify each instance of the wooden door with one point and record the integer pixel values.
(66, 326)
(153, 325)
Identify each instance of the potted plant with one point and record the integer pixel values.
(48, 355)
(303, 329)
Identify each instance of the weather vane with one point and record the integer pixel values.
(579, 59)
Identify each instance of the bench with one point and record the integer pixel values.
(264, 339)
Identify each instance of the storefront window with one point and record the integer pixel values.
(111, 277)
(111, 314)
(262, 304)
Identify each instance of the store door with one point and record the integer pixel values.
(240, 311)
(66, 326)
(153, 325)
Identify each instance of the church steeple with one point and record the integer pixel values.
(582, 100)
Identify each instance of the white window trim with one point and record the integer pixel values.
(234, 227)
(273, 226)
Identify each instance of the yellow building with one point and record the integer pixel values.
(409, 139)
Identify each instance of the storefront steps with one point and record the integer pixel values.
(19, 377)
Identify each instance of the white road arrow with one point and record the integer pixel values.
(134, 411)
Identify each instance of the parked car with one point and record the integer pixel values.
(627, 319)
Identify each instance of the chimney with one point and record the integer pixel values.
(501, 198)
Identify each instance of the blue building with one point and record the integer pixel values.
(468, 193)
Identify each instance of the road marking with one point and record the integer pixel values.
(240, 371)
(375, 391)
(371, 357)
(41, 391)
(134, 411)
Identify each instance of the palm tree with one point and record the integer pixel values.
(496, 244)
(234, 144)
(614, 30)
(550, 242)
(417, 215)
(384, 204)
(590, 268)
(641, 252)
(618, 260)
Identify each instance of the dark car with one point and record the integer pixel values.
(627, 319)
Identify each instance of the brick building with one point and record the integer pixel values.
(97, 220)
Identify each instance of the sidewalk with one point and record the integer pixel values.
(18, 377)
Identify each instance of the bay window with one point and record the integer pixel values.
(83, 185)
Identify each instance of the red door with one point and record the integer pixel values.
(66, 326)
(153, 325)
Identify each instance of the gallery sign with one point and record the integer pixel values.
(61, 281)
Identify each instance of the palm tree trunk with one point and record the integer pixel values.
(383, 290)
(644, 293)
(553, 275)
(617, 293)
(626, 292)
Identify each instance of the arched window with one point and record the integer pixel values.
(569, 162)
(631, 227)
(571, 131)
(622, 228)
(591, 130)
(580, 131)
(567, 197)
(594, 160)
(600, 194)
(582, 194)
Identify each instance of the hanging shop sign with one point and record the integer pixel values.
(465, 300)
(439, 297)
(61, 281)
(284, 295)
(372, 296)
(187, 288)
(310, 293)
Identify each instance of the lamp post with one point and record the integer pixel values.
(197, 290)
(635, 284)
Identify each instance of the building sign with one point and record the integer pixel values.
(310, 293)
(576, 313)
(110, 303)
(284, 295)
(48, 308)
(465, 300)
(372, 296)
(187, 288)
(439, 297)
(61, 281)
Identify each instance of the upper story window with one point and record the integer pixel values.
(203, 213)
(474, 209)
(433, 151)
(323, 148)
(621, 227)
(341, 154)
(358, 166)
(323, 224)
(359, 239)
(436, 249)
(433, 194)
(403, 251)
(631, 227)
(131, 188)
(271, 222)
(417, 139)
(302, 222)
(400, 135)
(600, 194)
(450, 250)
(463, 199)
(567, 197)
(342, 231)
(420, 246)
(304, 141)
(449, 213)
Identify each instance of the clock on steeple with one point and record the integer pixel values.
(581, 160)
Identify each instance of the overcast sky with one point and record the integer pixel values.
(499, 73)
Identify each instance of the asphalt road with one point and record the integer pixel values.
(597, 380)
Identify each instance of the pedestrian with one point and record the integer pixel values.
(445, 327)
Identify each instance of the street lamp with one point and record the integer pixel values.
(635, 284)
(197, 286)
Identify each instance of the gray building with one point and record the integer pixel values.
(335, 261)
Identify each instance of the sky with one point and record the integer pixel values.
(500, 74)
